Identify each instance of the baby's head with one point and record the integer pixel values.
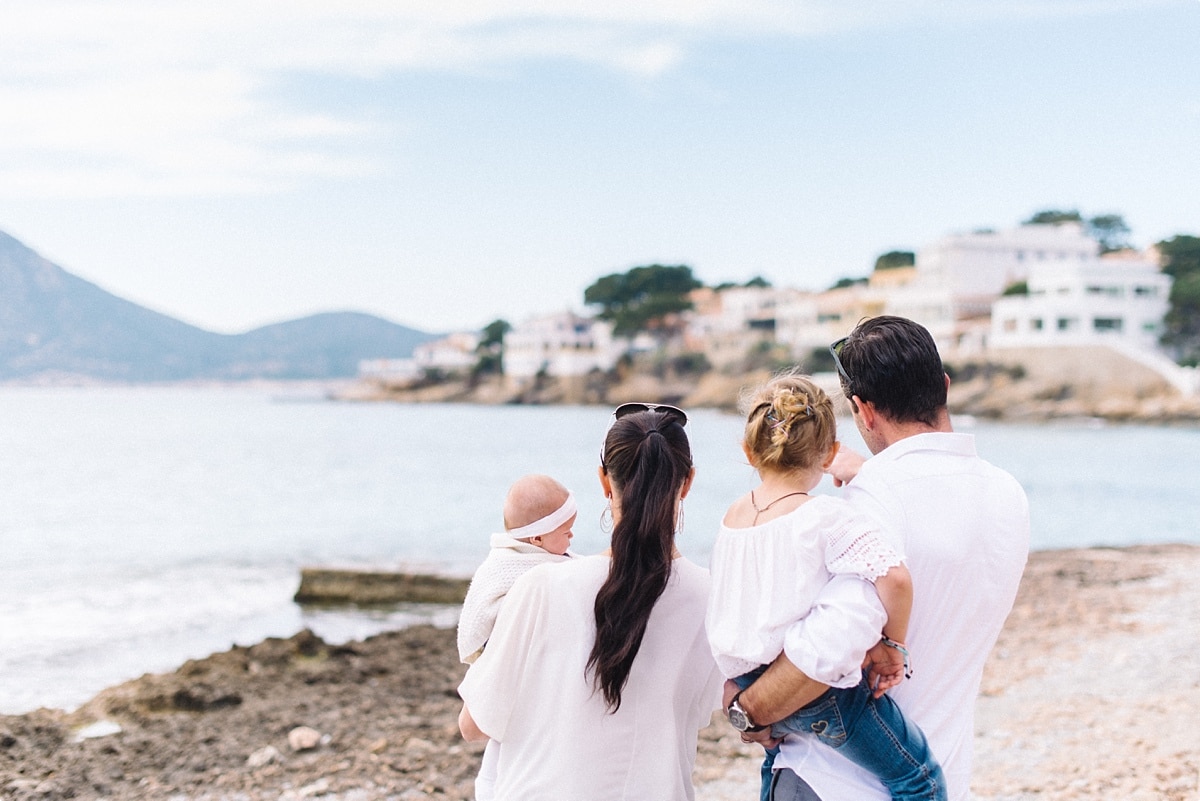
(540, 511)
(790, 425)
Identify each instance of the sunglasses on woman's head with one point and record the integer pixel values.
(626, 409)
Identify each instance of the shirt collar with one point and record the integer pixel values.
(942, 441)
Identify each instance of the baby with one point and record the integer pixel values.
(538, 515)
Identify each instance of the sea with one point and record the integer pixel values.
(142, 527)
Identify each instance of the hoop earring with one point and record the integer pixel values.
(679, 520)
(606, 520)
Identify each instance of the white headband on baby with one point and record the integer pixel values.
(548, 523)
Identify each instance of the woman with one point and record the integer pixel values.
(598, 674)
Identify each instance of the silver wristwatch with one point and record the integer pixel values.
(739, 718)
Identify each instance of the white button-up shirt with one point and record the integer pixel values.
(963, 527)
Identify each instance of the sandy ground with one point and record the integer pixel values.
(1093, 692)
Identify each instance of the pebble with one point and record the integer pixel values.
(263, 756)
(304, 738)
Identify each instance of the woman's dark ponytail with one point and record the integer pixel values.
(648, 459)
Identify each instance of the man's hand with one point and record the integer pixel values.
(885, 668)
(731, 689)
(763, 737)
(845, 466)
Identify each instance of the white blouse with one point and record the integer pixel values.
(530, 690)
(766, 577)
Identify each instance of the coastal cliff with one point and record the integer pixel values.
(1015, 385)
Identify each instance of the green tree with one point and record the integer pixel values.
(1181, 260)
(1017, 288)
(1110, 231)
(895, 259)
(1054, 217)
(490, 349)
(492, 335)
(642, 298)
(842, 283)
(1182, 322)
(756, 282)
(1180, 255)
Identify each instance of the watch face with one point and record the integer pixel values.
(737, 718)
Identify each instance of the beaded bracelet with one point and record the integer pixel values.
(899, 646)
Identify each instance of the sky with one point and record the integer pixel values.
(444, 165)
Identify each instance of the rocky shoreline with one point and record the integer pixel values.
(1091, 693)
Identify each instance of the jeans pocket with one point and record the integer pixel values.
(824, 719)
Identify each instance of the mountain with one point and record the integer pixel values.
(323, 345)
(56, 325)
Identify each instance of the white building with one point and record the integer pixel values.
(452, 355)
(960, 276)
(562, 345)
(455, 353)
(727, 324)
(1085, 302)
(982, 264)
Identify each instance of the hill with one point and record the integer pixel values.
(57, 326)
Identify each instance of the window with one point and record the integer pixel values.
(1010, 326)
(1035, 324)
(1107, 324)
(1067, 323)
(1146, 291)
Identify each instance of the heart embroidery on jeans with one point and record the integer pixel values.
(819, 727)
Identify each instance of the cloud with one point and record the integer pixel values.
(140, 97)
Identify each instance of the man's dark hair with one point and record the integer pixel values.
(893, 363)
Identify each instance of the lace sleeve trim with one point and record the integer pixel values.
(861, 552)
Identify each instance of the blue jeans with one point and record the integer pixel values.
(871, 732)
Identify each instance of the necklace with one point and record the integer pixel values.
(758, 511)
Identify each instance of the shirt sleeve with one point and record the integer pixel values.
(829, 643)
(874, 500)
(491, 688)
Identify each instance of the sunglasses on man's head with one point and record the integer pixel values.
(835, 350)
(626, 409)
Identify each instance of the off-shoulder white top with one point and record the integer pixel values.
(767, 577)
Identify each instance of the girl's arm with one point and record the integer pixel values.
(896, 592)
(888, 659)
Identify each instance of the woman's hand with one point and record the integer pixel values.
(466, 725)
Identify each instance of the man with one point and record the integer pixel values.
(963, 526)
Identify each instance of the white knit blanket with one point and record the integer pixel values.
(505, 563)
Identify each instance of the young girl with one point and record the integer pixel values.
(777, 547)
